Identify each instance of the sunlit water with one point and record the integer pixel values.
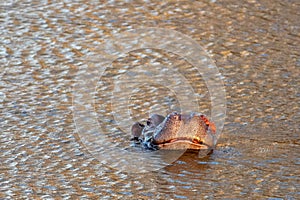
(43, 44)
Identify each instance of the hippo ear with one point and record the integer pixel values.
(155, 120)
(136, 129)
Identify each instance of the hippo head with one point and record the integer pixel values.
(176, 131)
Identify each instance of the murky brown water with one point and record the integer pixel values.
(43, 46)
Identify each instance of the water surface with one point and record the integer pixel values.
(256, 46)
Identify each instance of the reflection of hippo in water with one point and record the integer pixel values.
(176, 131)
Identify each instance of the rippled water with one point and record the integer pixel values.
(43, 49)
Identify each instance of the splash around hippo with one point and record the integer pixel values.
(175, 132)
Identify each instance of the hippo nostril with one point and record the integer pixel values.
(141, 125)
(176, 117)
(148, 122)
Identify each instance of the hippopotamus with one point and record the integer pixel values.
(175, 131)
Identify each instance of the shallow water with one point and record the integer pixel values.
(44, 46)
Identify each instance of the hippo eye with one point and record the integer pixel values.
(177, 117)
